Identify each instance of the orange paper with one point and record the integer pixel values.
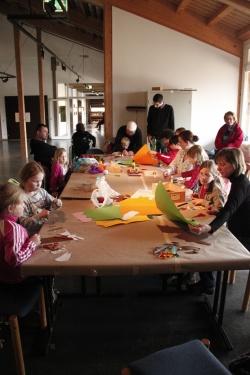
(143, 156)
(110, 223)
(143, 205)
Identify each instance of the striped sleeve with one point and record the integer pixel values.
(18, 246)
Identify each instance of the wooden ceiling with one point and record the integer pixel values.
(222, 23)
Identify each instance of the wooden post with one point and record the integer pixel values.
(40, 76)
(54, 89)
(107, 32)
(21, 106)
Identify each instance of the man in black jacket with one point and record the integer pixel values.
(160, 118)
(43, 152)
(133, 133)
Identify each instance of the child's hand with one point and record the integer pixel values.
(57, 202)
(125, 153)
(36, 239)
(212, 211)
(43, 214)
(130, 153)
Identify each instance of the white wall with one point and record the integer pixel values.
(67, 51)
(146, 54)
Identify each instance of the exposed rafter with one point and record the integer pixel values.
(221, 13)
(182, 6)
(241, 5)
(158, 11)
(244, 34)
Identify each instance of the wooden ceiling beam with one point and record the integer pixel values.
(90, 24)
(221, 13)
(158, 11)
(181, 7)
(244, 34)
(240, 5)
(67, 32)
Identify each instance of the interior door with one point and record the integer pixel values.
(32, 115)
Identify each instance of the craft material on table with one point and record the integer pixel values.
(167, 206)
(104, 213)
(64, 257)
(110, 223)
(144, 206)
(80, 216)
(144, 156)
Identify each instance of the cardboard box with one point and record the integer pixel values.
(176, 192)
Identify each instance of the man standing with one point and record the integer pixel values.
(160, 118)
(132, 132)
(43, 152)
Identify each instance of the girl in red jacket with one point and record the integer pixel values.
(15, 244)
(230, 134)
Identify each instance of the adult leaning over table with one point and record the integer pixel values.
(236, 212)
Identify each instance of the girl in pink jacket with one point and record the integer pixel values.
(59, 171)
(15, 244)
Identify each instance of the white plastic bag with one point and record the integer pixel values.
(102, 196)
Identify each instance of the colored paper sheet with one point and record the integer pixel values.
(110, 223)
(104, 213)
(127, 162)
(143, 156)
(80, 216)
(144, 206)
(167, 206)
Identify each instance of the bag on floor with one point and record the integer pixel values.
(241, 365)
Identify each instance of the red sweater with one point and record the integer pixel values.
(167, 157)
(15, 248)
(234, 139)
(193, 174)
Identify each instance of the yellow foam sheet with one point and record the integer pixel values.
(143, 156)
(143, 205)
(110, 223)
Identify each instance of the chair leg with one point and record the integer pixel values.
(231, 277)
(17, 345)
(245, 302)
(42, 309)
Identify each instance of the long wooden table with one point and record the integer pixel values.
(127, 249)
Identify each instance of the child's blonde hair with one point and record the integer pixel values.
(58, 153)
(30, 169)
(211, 166)
(125, 141)
(196, 152)
(10, 194)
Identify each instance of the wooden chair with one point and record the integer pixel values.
(245, 302)
(190, 358)
(16, 302)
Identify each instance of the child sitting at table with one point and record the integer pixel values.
(210, 187)
(59, 172)
(171, 151)
(195, 157)
(15, 244)
(123, 147)
(38, 201)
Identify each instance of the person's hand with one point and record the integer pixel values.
(44, 214)
(125, 153)
(130, 153)
(36, 239)
(212, 211)
(199, 229)
(57, 202)
(167, 173)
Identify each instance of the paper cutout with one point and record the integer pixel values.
(143, 156)
(71, 236)
(129, 215)
(144, 206)
(110, 223)
(140, 193)
(64, 257)
(80, 216)
(104, 213)
(167, 206)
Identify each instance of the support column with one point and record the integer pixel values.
(108, 92)
(21, 106)
(40, 76)
(54, 93)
